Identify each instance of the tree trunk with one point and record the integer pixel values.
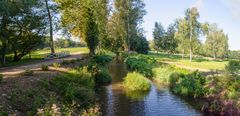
(30, 55)
(4, 49)
(191, 54)
(51, 28)
(4, 41)
(183, 54)
(190, 43)
(92, 52)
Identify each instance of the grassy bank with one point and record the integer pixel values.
(198, 62)
(163, 72)
(64, 89)
(221, 92)
(40, 54)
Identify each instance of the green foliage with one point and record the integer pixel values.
(136, 82)
(216, 44)
(125, 32)
(90, 24)
(140, 45)
(1, 78)
(158, 35)
(56, 65)
(28, 72)
(162, 73)
(233, 67)
(100, 73)
(44, 67)
(77, 85)
(188, 85)
(102, 59)
(141, 63)
(102, 76)
(189, 29)
(66, 62)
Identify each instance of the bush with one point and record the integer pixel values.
(102, 76)
(233, 67)
(1, 78)
(102, 59)
(45, 67)
(142, 64)
(28, 72)
(162, 74)
(66, 62)
(188, 85)
(77, 85)
(56, 65)
(136, 82)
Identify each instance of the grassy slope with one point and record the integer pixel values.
(199, 62)
(40, 54)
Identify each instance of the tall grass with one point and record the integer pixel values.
(136, 82)
(163, 73)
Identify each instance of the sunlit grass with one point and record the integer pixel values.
(198, 62)
(41, 54)
(71, 50)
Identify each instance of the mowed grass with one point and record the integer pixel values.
(71, 50)
(41, 54)
(198, 62)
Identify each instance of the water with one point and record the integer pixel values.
(157, 102)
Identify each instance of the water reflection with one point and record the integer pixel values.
(115, 101)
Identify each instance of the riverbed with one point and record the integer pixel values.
(114, 101)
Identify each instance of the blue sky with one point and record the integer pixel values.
(226, 13)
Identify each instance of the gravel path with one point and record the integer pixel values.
(35, 65)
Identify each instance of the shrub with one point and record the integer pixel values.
(28, 72)
(56, 65)
(136, 82)
(102, 76)
(77, 85)
(45, 67)
(66, 62)
(233, 67)
(188, 85)
(162, 74)
(102, 59)
(142, 64)
(1, 78)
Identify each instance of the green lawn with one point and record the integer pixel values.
(198, 62)
(40, 54)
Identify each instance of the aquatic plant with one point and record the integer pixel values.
(136, 82)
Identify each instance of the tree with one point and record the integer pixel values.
(7, 9)
(189, 29)
(26, 30)
(81, 18)
(130, 14)
(22, 27)
(158, 35)
(216, 44)
(169, 41)
(49, 16)
(116, 34)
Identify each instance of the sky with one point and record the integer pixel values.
(226, 13)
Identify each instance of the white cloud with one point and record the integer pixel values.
(234, 6)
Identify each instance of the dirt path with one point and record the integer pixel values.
(36, 65)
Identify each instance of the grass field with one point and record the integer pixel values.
(40, 54)
(198, 62)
